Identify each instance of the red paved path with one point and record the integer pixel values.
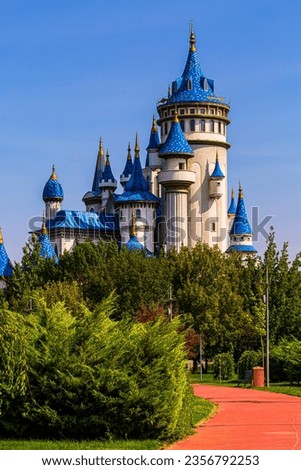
(247, 419)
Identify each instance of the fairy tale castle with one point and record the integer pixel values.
(177, 198)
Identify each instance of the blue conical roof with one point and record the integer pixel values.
(176, 143)
(193, 85)
(128, 169)
(133, 244)
(100, 164)
(217, 172)
(5, 264)
(154, 139)
(241, 224)
(47, 250)
(107, 174)
(232, 207)
(137, 187)
(53, 188)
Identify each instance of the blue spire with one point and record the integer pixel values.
(217, 172)
(137, 182)
(176, 142)
(5, 264)
(47, 250)
(107, 175)
(100, 164)
(128, 169)
(240, 224)
(193, 85)
(154, 140)
(53, 188)
(232, 207)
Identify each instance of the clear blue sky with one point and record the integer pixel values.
(72, 71)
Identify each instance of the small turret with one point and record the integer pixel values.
(126, 174)
(152, 159)
(216, 188)
(53, 195)
(92, 199)
(241, 232)
(47, 250)
(108, 184)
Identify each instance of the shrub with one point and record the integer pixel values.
(223, 366)
(247, 361)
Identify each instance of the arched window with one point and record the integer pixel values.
(211, 126)
(138, 213)
(92, 209)
(165, 128)
(220, 127)
(203, 126)
(192, 125)
(182, 124)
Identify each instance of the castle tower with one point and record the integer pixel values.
(176, 179)
(126, 174)
(241, 233)
(203, 117)
(108, 184)
(53, 196)
(137, 199)
(153, 163)
(92, 199)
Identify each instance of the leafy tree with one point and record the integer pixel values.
(223, 366)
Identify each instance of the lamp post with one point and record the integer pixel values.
(201, 358)
(267, 326)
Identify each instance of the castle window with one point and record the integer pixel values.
(138, 213)
(182, 124)
(192, 111)
(211, 126)
(220, 127)
(213, 227)
(92, 209)
(165, 114)
(203, 110)
(181, 166)
(203, 126)
(192, 125)
(189, 85)
(172, 112)
(165, 128)
(182, 111)
(211, 111)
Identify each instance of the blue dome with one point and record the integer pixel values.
(176, 142)
(53, 188)
(241, 249)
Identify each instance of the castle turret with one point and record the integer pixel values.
(203, 117)
(126, 174)
(153, 163)
(92, 199)
(47, 250)
(241, 233)
(133, 243)
(53, 196)
(231, 210)
(216, 189)
(108, 184)
(137, 198)
(176, 179)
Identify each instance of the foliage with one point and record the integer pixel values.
(288, 356)
(247, 361)
(223, 366)
(88, 376)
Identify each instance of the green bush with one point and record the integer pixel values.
(285, 361)
(247, 361)
(223, 366)
(88, 376)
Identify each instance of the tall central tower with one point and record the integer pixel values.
(203, 118)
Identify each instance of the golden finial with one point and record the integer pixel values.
(101, 152)
(154, 126)
(44, 229)
(137, 148)
(232, 194)
(176, 116)
(107, 158)
(53, 174)
(240, 192)
(129, 152)
(1, 236)
(133, 232)
(192, 37)
(216, 157)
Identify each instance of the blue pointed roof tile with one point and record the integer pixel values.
(241, 224)
(107, 175)
(128, 169)
(154, 139)
(100, 164)
(176, 143)
(5, 264)
(217, 172)
(232, 207)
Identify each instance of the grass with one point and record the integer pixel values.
(15, 444)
